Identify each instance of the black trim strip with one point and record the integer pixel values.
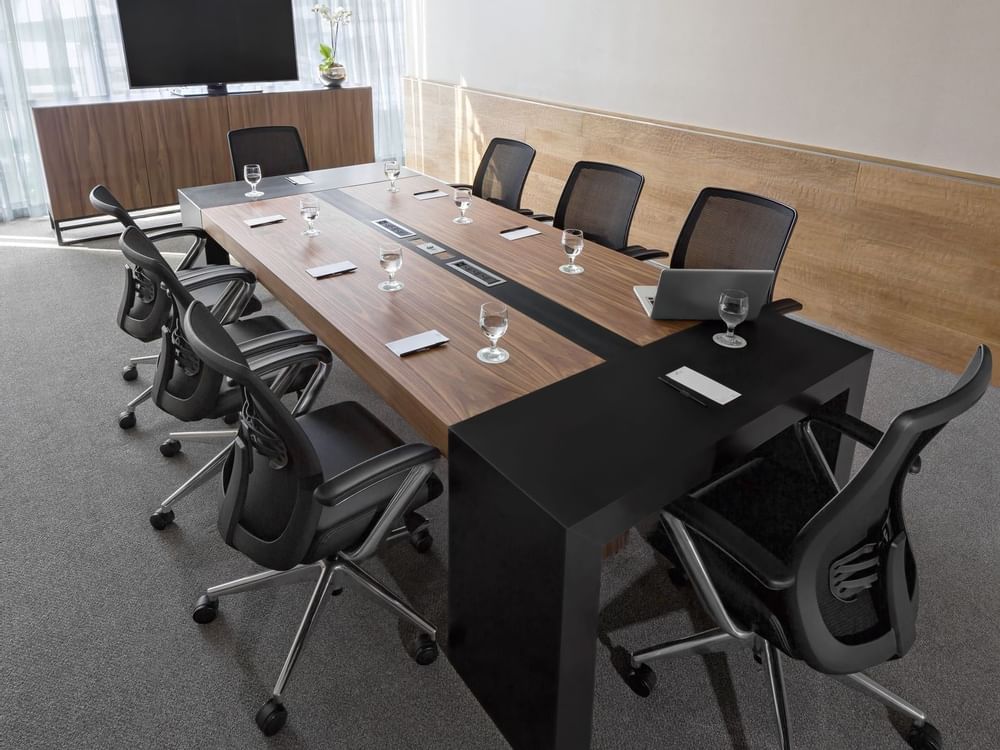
(567, 323)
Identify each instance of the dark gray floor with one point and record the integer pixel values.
(98, 648)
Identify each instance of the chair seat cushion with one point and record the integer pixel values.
(344, 435)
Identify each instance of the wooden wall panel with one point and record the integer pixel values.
(184, 141)
(88, 144)
(903, 256)
(335, 125)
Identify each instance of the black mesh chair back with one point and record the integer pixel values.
(503, 172)
(854, 602)
(732, 229)
(143, 308)
(268, 512)
(277, 148)
(182, 387)
(600, 200)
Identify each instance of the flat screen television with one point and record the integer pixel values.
(207, 42)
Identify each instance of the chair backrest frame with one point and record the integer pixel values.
(615, 233)
(512, 189)
(249, 146)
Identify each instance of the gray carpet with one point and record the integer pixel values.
(98, 649)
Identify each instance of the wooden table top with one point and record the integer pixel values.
(441, 387)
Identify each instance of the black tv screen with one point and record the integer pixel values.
(196, 42)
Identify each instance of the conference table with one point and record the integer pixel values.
(555, 452)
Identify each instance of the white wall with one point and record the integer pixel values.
(914, 80)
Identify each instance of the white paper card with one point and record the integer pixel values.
(418, 343)
(260, 221)
(703, 385)
(299, 179)
(431, 194)
(519, 233)
(332, 269)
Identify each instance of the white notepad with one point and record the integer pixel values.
(299, 179)
(703, 385)
(260, 221)
(332, 269)
(413, 344)
(518, 233)
(428, 194)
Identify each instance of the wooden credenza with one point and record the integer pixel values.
(144, 147)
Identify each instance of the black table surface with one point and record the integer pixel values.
(232, 193)
(616, 422)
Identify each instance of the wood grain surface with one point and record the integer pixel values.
(603, 292)
(904, 256)
(431, 390)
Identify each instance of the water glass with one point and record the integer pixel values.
(391, 167)
(252, 175)
(733, 307)
(463, 199)
(390, 257)
(493, 322)
(309, 209)
(572, 242)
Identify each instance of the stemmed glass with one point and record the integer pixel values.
(463, 199)
(493, 321)
(390, 257)
(391, 167)
(309, 209)
(733, 307)
(572, 242)
(252, 174)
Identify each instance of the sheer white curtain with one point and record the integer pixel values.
(60, 49)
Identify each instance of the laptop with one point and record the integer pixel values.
(693, 293)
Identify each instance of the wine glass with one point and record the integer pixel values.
(733, 307)
(493, 321)
(252, 174)
(309, 209)
(463, 199)
(390, 257)
(391, 167)
(572, 242)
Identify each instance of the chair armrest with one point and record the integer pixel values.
(733, 542)
(641, 253)
(275, 341)
(858, 430)
(783, 306)
(459, 185)
(542, 217)
(211, 275)
(526, 211)
(173, 233)
(374, 470)
(304, 354)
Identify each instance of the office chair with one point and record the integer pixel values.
(310, 495)
(502, 173)
(143, 308)
(732, 229)
(599, 199)
(786, 560)
(185, 389)
(277, 148)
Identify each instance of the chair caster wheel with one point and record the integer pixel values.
(641, 679)
(161, 518)
(231, 419)
(205, 610)
(679, 578)
(421, 540)
(170, 447)
(425, 650)
(924, 737)
(129, 372)
(271, 717)
(126, 420)
(336, 592)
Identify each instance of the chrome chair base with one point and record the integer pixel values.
(330, 575)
